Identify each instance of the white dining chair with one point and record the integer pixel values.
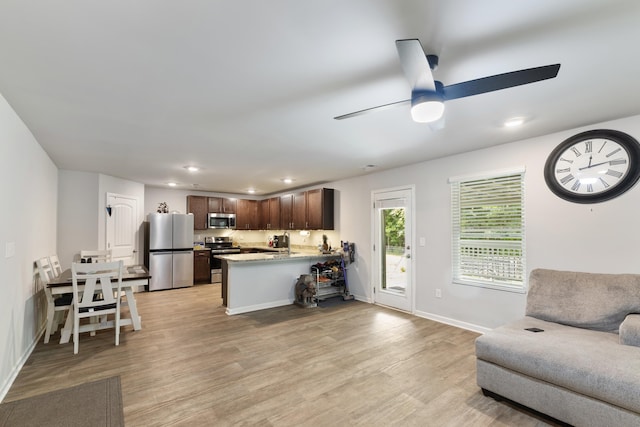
(55, 265)
(56, 307)
(96, 279)
(96, 256)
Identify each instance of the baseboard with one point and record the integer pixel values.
(18, 367)
(361, 298)
(248, 308)
(453, 322)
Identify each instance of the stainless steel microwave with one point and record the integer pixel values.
(221, 220)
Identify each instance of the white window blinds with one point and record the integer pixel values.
(488, 231)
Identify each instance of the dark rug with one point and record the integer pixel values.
(97, 403)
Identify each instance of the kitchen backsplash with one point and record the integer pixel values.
(299, 239)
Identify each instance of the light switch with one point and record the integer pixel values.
(422, 241)
(9, 249)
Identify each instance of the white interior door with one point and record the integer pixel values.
(393, 212)
(122, 228)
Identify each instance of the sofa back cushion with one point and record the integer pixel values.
(584, 300)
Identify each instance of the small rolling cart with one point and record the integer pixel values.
(331, 275)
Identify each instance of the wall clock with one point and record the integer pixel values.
(593, 166)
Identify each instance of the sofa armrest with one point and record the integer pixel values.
(630, 330)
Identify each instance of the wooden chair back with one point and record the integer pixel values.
(45, 271)
(96, 256)
(56, 307)
(99, 297)
(55, 265)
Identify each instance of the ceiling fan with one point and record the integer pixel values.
(428, 95)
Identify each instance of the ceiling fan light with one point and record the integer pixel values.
(426, 107)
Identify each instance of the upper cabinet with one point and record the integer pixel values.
(305, 210)
(299, 211)
(308, 210)
(198, 206)
(269, 214)
(247, 215)
(222, 205)
(320, 207)
(274, 213)
(286, 214)
(293, 211)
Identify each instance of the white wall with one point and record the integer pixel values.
(28, 181)
(77, 214)
(601, 237)
(82, 203)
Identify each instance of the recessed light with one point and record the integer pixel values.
(192, 168)
(368, 167)
(172, 184)
(251, 191)
(514, 122)
(287, 180)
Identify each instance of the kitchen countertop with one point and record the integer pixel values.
(278, 256)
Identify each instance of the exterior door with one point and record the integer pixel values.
(122, 228)
(393, 212)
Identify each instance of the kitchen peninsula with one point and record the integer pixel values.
(257, 281)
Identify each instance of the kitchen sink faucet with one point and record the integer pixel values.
(286, 233)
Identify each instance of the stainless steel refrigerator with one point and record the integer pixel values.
(170, 251)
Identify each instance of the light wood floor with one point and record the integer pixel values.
(351, 364)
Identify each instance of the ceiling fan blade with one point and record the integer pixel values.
(415, 65)
(500, 81)
(373, 109)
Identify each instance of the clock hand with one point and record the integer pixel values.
(594, 165)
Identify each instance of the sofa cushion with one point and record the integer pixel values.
(585, 300)
(584, 361)
(630, 330)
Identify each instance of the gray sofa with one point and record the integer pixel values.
(584, 367)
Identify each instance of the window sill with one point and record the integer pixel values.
(518, 289)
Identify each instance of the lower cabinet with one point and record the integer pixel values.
(201, 267)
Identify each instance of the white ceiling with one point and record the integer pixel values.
(247, 89)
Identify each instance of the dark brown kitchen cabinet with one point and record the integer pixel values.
(299, 211)
(309, 210)
(274, 213)
(320, 205)
(269, 214)
(201, 267)
(264, 219)
(247, 215)
(198, 206)
(293, 211)
(286, 212)
(222, 205)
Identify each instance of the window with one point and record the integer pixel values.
(488, 230)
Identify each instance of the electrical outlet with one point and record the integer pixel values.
(438, 293)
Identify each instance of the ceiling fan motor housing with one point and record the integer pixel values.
(427, 105)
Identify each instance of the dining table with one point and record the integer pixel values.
(133, 278)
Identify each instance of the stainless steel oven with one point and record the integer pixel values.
(219, 246)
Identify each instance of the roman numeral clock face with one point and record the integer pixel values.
(593, 166)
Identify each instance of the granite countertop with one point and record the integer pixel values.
(279, 256)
